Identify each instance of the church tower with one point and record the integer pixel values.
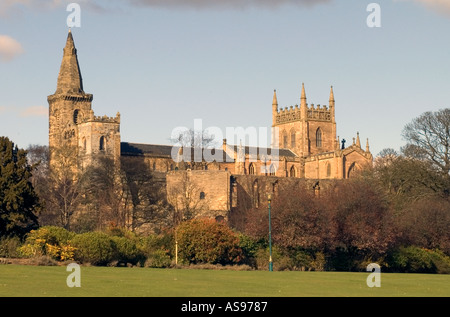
(306, 129)
(75, 134)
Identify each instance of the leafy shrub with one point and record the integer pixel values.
(9, 246)
(307, 260)
(158, 259)
(208, 241)
(48, 240)
(96, 248)
(127, 250)
(164, 242)
(280, 261)
(413, 259)
(249, 248)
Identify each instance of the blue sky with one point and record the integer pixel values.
(163, 64)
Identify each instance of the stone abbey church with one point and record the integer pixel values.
(309, 148)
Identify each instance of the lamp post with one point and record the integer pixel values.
(269, 198)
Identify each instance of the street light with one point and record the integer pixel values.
(269, 198)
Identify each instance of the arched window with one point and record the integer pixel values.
(292, 139)
(202, 195)
(75, 116)
(293, 172)
(102, 143)
(272, 170)
(319, 138)
(285, 140)
(252, 169)
(84, 144)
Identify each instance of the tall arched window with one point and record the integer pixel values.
(293, 172)
(75, 116)
(84, 144)
(252, 169)
(319, 138)
(285, 140)
(272, 170)
(292, 139)
(102, 143)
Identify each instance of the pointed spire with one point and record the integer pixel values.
(358, 142)
(367, 145)
(303, 97)
(303, 104)
(275, 101)
(331, 95)
(69, 79)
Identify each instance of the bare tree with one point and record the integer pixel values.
(38, 156)
(428, 138)
(149, 205)
(107, 193)
(62, 188)
(186, 198)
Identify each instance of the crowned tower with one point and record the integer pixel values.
(75, 134)
(306, 129)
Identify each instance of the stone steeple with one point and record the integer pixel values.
(275, 101)
(69, 80)
(303, 96)
(274, 107)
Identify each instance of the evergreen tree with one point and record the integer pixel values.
(18, 200)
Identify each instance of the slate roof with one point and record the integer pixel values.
(139, 149)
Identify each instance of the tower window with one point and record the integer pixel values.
(75, 116)
(272, 170)
(252, 169)
(285, 141)
(102, 143)
(319, 138)
(202, 195)
(293, 140)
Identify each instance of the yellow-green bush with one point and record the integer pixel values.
(48, 240)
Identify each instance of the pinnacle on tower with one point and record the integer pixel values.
(275, 101)
(69, 79)
(331, 95)
(303, 97)
(358, 142)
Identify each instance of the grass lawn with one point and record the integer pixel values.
(49, 281)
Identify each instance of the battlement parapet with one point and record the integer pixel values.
(293, 113)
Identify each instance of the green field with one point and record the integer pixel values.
(49, 281)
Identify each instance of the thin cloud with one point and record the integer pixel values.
(229, 4)
(10, 8)
(9, 48)
(34, 111)
(441, 6)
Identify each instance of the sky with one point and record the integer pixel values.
(165, 63)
